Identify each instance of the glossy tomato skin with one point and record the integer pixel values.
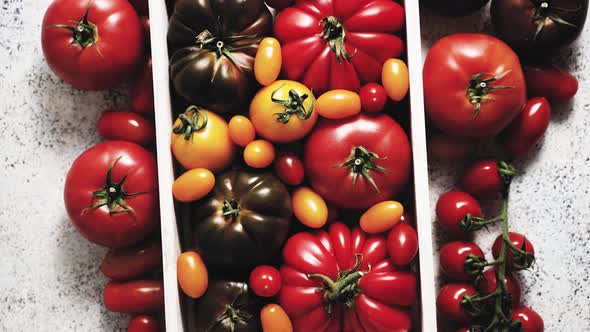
(455, 7)
(143, 323)
(551, 82)
(267, 63)
(402, 244)
(482, 179)
(338, 104)
(134, 297)
(448, 72)
(452, 207)
(265, 281)
(520, 242)
(259, 154)
(487, 284)
(309, 207)
(289, 168)
(373, 97)
(126, 126)
(395, 79)
(331, 144)
(385, 292)
(528, 128)
(448, 302)
(88, 174)
(381, 217)
(453, 256)
(193, 185)
(192, 274)
(275, 319)
(529, 319)
(370, 40)
(142, 95)
(133, 262)
(119, 46)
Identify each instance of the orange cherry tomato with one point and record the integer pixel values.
(259, 154)
(192, 274)
(275, 319)
(194, 184)
(395, 79)
(241, 130)
(381, 217)
(338, 104)
(267, 63)
(309, 207)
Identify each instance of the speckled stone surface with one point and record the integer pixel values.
(550, 202)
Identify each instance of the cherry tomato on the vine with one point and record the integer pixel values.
(126, 126)
(528, 128)
(520, 242)
(267, 63)
(448, 302)
(134, 297)
(309, 207)
(402, 244)
(275, 319)
(338, 104)
(259, 153)
(486, 284)
(265, 281)
(381, 217)
(193, 185)
(192, 274)
(551, 82)
(530, 320)
(452, 207)
(289, 169)
(453, 259)
(373, 97)
(395, 79)
(241, 130)
(486, 178)
(143, 323)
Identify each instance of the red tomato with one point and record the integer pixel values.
(265, 281)
(145, 24)
(448, 148)
(452, 207)
(402, 244)
(337, 44)
(141, 6)
(289, 169)
(143, 323)
(373, 97)
(358, 161)
(473, 85)
(486, 178)
(551, 82)
(126, 126)
(530, 321)
(364, 299)
(448, 302)
(520, 242)
(133, 262)
(528, 128)
(486, 284)
(142, 96)
(111, 194)
(92, 45)
(455, 263)
(134, 297)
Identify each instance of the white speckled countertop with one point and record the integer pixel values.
(49, 277)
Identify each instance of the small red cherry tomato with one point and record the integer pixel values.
(289, 169)
(551, 82)
(455, 263)
(447, 148)
(528, 128)
(373, 97)
(486, 178)
(142, 95)
(519, 241)
(126, 126)
(402, 244)
(134, 262)
(530, 321)
(452, 207)
(265, 281)
(134, 297)
(486, 284)
(143, 323)
(448, 302)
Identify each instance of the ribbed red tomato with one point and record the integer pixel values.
(338, 44)
(342, 280)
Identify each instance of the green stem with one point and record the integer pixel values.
(360, 162)
(293, 105)
(480, 86)
(333, 32)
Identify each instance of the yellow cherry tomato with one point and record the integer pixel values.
(192, 274)
(338, 104)
(275, 319)
(381, 217)
(193, 185)
(200, 139)
(259, 154)
(241, 130)
(283, 111)
(309, 207)
(395, 79)
(267, 63)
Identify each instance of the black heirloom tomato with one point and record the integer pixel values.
(454, 7)
(213, 44)
(244, 220)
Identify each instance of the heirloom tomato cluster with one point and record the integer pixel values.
(291, 159)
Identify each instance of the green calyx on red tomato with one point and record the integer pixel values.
(480, 87)
(361, 161)
(293, 105)
(333, 32)
(190, 122)
(83, 32)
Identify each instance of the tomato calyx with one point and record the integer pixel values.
(112, 194)
(190, 122)
(361, 161)
(345, 289)
(544, 10)
(234, 314)
(333, 32)
(479, 89)
(293, 105)
(84, 33)
(474, 265)
(231, 208)
(224, 46)
(507, 171)
(470, 223)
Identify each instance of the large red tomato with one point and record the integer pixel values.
(473, 85)
(357, 161)
(342, 280)
(92, 44)
(111, 194)
(338, 44)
